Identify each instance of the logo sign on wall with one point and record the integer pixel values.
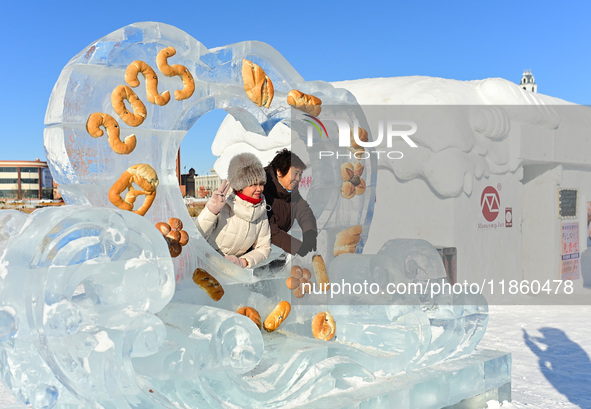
(490, 208)
(490, 203)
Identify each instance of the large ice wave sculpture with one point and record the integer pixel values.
(79, 289)
(88, 317)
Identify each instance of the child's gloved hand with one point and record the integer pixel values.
(238, 261)
(218, 198)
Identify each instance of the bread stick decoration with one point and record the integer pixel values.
(131, 78)
(277, 316)
(142, 175)
(98, 119)
(257, 85)
(176, 70)
(320, 272)
(118, 96)
(304, 102)
(323, 326)
(208, 283)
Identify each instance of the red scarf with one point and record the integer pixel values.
(249, 199)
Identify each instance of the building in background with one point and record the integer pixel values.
(205, 184)
(528, 82)
(20, 180)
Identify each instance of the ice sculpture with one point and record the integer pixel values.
(109, 318)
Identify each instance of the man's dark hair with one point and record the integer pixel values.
(285, 160)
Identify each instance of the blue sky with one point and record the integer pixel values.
(329, 41)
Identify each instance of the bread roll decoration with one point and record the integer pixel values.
(144, 176)
(277, 316)
(346, 241)
(363, 137)
(98, 119)
(131, 78)
(118, 96)
(208, 283)
(252, 314)
(257, 85)
(174, 234)
(297, 280)
(323, 326)
(353, 183)
(176, 70)
(320, 272)
(304, 102)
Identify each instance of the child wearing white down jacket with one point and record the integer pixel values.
(236, 224)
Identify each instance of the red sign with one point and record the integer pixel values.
(490, 203)
(508, 217)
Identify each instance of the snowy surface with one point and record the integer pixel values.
(554, 377)
(553, 369)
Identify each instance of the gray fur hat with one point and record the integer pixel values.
(244, 170)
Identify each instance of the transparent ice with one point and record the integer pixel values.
(94, 312)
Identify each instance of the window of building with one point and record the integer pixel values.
(8, 170)
(30, 194)
(47, 193)
(30, 170)
(32, 181)
(8, 194)
(9, 181)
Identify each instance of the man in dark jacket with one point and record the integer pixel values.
(285, 204)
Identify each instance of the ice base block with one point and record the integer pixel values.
(463, 383)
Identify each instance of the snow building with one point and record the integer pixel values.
(501, 176)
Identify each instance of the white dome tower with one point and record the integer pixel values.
(528, 82)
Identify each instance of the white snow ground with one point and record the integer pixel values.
(550, 371)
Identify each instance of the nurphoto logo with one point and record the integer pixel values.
(356, 143)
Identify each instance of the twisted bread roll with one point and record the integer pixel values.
(257, 85)
(277, 316)
(323, 326)
(131, 77)
(122, 93)
(209, 284)
(145, 177)
(176, 70)
(98, 119)
(304, 102)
